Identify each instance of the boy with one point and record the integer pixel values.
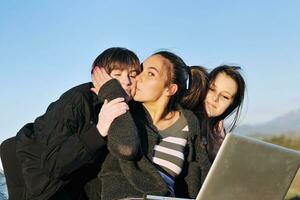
(64, 148)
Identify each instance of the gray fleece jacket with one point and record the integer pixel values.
(119, 178)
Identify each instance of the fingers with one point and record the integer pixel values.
(98, 72)
(99, 78)
(101, 75)
(116, 112)
(95, 79)
(104, 73)
(111, 109)
(94, 90)
(120, 106)
(117, 105)
(116, 101)
(221, 128)
(108, 114)
(222, 122)
(96, 87)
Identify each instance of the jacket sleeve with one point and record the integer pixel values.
(122, 140)
(69, 141)
(214, 141)
(198, 158)
(202, 158)
(57, 144)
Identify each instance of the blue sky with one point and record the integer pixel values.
(47, 47)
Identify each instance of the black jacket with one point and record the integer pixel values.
(63, 146)
(121, 178)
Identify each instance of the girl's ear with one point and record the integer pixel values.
(171, 89)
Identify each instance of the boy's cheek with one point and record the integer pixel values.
(133, 90)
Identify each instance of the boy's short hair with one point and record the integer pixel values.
(117, 58)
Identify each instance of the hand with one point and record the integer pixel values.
(220, 130)
(99, 78)
(110, 111)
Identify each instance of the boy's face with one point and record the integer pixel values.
(127, 79)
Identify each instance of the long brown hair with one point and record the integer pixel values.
(191, 81)
(236, 106)
(194, 98)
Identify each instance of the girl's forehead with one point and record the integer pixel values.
(158, 62)
(221, 78)
(226, 83)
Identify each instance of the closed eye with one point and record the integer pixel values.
(116, 72)
(211, 89)
(133, 74)
(226, 97)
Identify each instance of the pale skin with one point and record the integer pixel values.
(220, 95)
(151, 90)
(154, 94)
(126, 78)
(110, 110)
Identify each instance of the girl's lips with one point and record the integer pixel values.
(211, 105)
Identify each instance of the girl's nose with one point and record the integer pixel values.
(216, 97)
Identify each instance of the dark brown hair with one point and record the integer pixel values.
(117, 58)
(209, 125)
(194, 98)
(236, 106)
(178, 74)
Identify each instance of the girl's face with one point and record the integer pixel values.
(151, 82)
(127, 79)
(220, 95)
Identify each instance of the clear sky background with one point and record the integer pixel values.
(47, 47)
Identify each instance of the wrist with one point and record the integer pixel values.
(102, 131)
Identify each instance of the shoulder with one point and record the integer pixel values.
(77, 93)
(75, 97)
(190, 117)
(192, 121)
(82, 89)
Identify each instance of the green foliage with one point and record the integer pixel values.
(292, 142)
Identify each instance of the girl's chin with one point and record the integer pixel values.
(210, 114)
(136, 98)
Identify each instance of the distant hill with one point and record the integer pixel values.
(288, 124)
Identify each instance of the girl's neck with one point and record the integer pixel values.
(161, 117)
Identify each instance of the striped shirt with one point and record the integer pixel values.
(169, 152)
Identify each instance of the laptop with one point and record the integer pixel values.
(246, 168)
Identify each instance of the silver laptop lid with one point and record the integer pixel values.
(246, 168)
